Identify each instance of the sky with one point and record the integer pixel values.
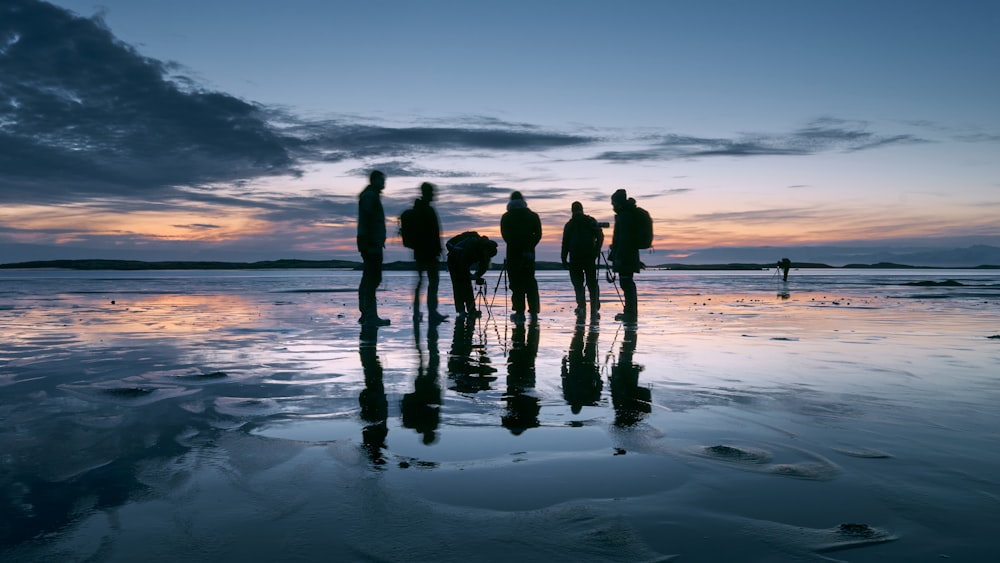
(244, 130)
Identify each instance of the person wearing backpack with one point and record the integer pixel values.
(633, 232)
(420, 230)
(521, 229)
(581, 245)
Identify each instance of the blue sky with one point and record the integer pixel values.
(244, 130)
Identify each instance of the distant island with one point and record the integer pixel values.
(395, 266)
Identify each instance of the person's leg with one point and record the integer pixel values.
(531, 291)
(516, 276)
(631, 313)
(460, 284)
(416, 291)
(371, 278)
(595, 291)
(433, 282)
(576, 275)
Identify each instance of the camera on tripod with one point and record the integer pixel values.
(604, 224)
(480, 281)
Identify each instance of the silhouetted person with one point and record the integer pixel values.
(581, 374)
(373, 402)
(371, 242)
(426, 244)
(631, 401)
(522, 407)
(465, 251)
(784, 264)
(421, 409)
(624, 252)
(468, 365)
(521, 230)
(581, 245)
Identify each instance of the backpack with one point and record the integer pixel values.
(643, 229)
(408, 228)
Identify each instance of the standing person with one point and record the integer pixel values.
(785, 264)
(521, 230)
(581, 243)
(466, 250)
(371, 242)
(421, 231)
(624, 251)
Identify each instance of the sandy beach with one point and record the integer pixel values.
(245, 416)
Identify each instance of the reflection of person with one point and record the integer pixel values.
(421, 409)
(465, 251)
(468, 366)
(581, 375)
(521, 230)
(581, 244)
(373, 402)
(427, 252)
(624, 252)
(371, 242)
(522, 407)
(631, 402)
(784, 265)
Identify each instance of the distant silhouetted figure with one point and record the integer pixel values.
(465, 251)
(581, 373)
(422, 233)
(581, 245)
(624, 251)
(521, 230)
(523, 406)
(371, 242)
(631, 401)
(785, 264)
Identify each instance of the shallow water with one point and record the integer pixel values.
(846, 415)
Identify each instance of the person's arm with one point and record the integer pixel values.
(598, 237)
(538, 232)
(565, 243)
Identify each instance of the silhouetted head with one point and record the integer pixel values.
(576, 208)
(377, 179)
(427, 191)
(489, 247)
(516, 201)
(619, 198)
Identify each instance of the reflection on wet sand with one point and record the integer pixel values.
(194, 416)
(523, 406)
(373, 401)
(581, 375)
(147, 316)
(631, 401)
(421, 408)
(469, 366)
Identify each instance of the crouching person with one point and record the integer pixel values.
(466, 251)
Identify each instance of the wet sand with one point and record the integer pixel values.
(249, 418)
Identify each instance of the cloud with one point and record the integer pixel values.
(81, 110)
(84, 116)
(822, 135)
(198, 226)
(669, 192)
(338, 140)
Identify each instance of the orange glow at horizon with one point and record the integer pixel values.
(72, 224)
